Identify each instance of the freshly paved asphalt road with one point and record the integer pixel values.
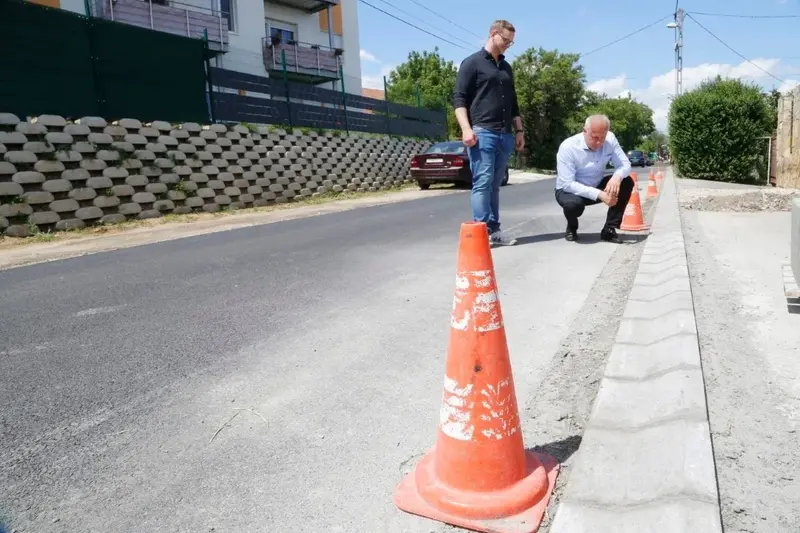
(117, 369)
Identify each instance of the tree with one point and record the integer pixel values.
(429, 76)
(549, 86)
(714, 130)
(655, 142)
(631, 121)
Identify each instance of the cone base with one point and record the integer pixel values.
(407, 498)
(634, 227)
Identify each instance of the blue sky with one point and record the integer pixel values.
(642, 64)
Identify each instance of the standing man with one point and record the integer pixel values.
(486, 107)
(581, 164)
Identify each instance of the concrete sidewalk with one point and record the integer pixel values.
(645, 464)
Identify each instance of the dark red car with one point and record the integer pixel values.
(444, 162)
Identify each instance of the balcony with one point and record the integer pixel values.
(308, 6)
(168, 16)
(305, 63)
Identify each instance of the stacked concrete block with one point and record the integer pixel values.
(58, 175)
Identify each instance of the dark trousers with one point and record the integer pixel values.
(574, 205)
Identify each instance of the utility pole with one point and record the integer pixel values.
(678, 25)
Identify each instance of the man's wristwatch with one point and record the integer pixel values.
(519, 131)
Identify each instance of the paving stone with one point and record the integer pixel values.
(222, 199)
(150, 213)
(58, 138)
(129, 209)
(113, 218)
(144, 198)
(137, 180)
(83, 194)
(93, 165)
(77, 130)
(37, 197)
(64, 206)
(15, 210)
(102, 139)
(17, 230)
(10, 188)
(164, 205)
(176, 196)
(42, 218)
(28, 177)
(194, 202)
(232, 191)
(169, 178)
(8, 119)
(106, 202)
(206, 192)
(123, 190)
(89, 213)
(19, 157)
(49, 166)
(99, 183)
(13, 139)
(51, 121)
(57, 186)
(70, 224)
(156, 188)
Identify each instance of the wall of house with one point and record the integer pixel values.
(788, 141)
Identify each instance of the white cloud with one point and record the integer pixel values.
(366, 56)
(375, 81)
(661, 88)
(788, 85)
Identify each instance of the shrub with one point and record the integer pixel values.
(714, 130)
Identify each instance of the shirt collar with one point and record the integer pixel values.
(487, 55)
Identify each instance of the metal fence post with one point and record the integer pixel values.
(344, 100)
(286, 87)
(209, 81)
(386, 98)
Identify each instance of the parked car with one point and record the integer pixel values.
(638, 158)
(444, 162)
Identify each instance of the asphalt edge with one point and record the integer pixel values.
(646, 461)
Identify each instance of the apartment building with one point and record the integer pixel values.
(315, 41)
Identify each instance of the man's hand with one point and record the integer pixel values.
(612, 188)
(607, 199)
(469, 138)
(520, 141)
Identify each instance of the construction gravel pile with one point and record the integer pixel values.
(741, 200)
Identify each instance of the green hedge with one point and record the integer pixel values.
(714, 130)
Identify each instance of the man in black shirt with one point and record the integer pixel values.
(486, 107)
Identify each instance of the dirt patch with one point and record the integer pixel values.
(748, 351)
(741, 200)
(556, 415)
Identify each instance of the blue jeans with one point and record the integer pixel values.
(488, 160)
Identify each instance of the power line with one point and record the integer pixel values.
(413, 25)
(444, 18)
(428, 23)
(627, 36)
(726, 45)
(744, 16)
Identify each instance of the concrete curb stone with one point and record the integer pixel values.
(646, 463)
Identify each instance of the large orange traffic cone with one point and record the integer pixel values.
(478, 475)
(659, 178)
(633, 219)
(652, 187)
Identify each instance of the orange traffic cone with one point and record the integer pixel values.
(652, 187)
(634, 177)
(659, 178)
(478, 475)
(633, 219)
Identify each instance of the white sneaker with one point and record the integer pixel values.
(499, 238)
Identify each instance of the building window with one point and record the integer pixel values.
(228, 8)
(284, 35)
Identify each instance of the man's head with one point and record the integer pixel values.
(595, 130)
(501, 37)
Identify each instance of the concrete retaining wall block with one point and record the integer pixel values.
(57, 175)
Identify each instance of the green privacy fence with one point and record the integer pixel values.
(53, 61)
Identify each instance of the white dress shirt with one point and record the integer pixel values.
(580, 170)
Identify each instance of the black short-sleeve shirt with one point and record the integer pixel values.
(485, 87)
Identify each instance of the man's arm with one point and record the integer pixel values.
(565, 167)
(622, 164)
(465, 83)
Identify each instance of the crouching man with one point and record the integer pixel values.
(581, 164)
